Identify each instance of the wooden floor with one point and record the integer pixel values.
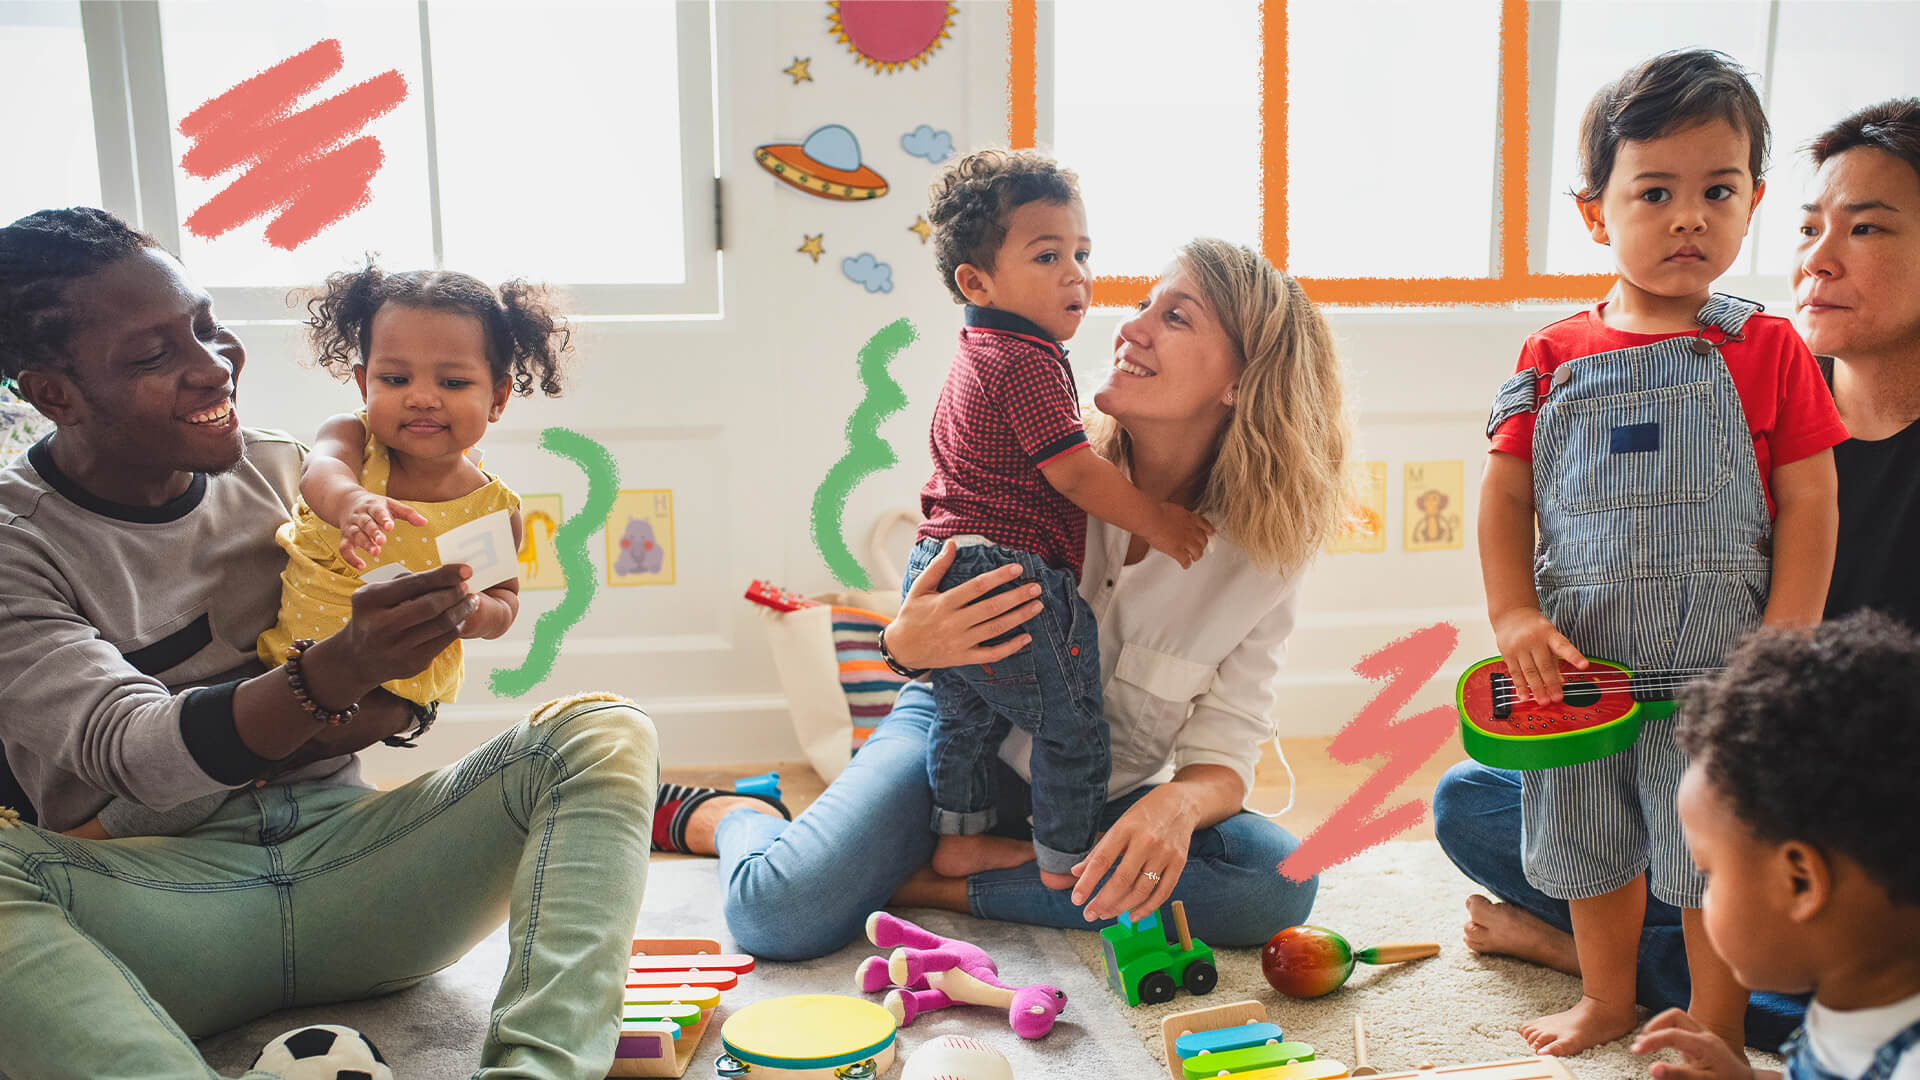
(1323, 784)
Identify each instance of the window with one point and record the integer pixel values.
(501, 161)
(1359, 143)
(43, 60)
(1146, 136)
(1448, 128)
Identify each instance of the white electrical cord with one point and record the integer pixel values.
(1293, 787)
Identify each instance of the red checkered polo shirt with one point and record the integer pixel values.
(1008, 407)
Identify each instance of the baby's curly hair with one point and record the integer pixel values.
(526, 337)
(1811, 737)
(973, 197)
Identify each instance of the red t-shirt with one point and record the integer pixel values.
(1008, 407)
(1789, 409)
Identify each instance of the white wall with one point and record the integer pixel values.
(742, 416)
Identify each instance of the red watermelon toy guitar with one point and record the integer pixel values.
(1600, 713)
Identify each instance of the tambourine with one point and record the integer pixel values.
(808, 1037)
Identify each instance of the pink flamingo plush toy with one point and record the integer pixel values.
(928, 972)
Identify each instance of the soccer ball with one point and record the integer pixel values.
(323, 1052)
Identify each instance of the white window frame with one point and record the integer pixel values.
(1543, 50)
(127, 73)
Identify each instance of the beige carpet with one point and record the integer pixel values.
(1454, 1008)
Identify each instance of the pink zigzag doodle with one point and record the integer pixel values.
(296, 165)
(1405, 666)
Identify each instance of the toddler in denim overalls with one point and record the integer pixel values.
(1651, 437)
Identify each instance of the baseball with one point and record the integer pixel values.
(957, 1057)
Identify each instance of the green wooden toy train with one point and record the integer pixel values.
(1144, 965)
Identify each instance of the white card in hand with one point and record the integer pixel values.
(486, 545)
(384, 572)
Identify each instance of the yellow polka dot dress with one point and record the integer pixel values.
(316, 589)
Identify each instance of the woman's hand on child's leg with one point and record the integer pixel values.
(366, 521)
(1533, 650)
(1704, 1055)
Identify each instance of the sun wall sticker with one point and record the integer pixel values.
(887, 35)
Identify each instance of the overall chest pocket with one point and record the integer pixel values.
(1154, 691)
(1645, 448)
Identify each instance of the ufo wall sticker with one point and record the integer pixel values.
(827, 165)
(887, 35)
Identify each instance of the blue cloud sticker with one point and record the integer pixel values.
(869, 271)
(924, 142)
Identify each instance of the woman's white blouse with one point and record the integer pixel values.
(1188, 658)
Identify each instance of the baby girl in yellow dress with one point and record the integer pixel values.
(436, 355)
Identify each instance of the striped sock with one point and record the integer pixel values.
(675, 807)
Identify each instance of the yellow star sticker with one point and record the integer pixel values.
(921, 228)
(811, 246)
(799, 70)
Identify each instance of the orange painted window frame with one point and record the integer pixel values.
(1511, 283)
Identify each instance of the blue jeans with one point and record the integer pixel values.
(1476, 813)
(801, 889)
(1049, 689)
(116, 951)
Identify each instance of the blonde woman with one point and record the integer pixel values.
(1224, 395)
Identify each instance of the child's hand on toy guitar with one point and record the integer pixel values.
(365, 521)
(1533, 650)
(1182, 534)
(1705, 1055)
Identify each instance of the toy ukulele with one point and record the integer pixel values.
(1600, 713)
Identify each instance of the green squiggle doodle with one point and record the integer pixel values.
(867, 452)
(570, 545)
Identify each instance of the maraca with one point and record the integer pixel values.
(1307, 961)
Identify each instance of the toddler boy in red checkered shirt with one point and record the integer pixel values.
(1013, 481)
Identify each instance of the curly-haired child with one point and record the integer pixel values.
(1012, 482)
(1673, 446)
(436, 356)
(1798, 806)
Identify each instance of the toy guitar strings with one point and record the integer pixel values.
(1601, 711)
(1646, 682)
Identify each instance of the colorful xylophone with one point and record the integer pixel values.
(1236, 1040)
(673, 986)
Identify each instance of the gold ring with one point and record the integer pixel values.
(1150, 875)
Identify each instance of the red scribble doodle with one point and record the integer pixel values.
(1405, 666)
(295, 163)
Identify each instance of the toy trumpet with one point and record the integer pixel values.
(1308, 961)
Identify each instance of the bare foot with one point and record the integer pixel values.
(1057, 881)
(708, 814)
(930, 890)
(1580, 1028)
(958, 856)
(1506, 930)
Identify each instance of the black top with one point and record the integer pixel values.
(1878, 562)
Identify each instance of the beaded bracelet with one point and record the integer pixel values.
(898, 668)
(297, 681)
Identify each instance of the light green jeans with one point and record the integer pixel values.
(112, 953)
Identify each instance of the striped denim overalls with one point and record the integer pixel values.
(1802, 1065)
(1654, 541)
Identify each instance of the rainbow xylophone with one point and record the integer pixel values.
(1235, 1040)
(673, 987)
